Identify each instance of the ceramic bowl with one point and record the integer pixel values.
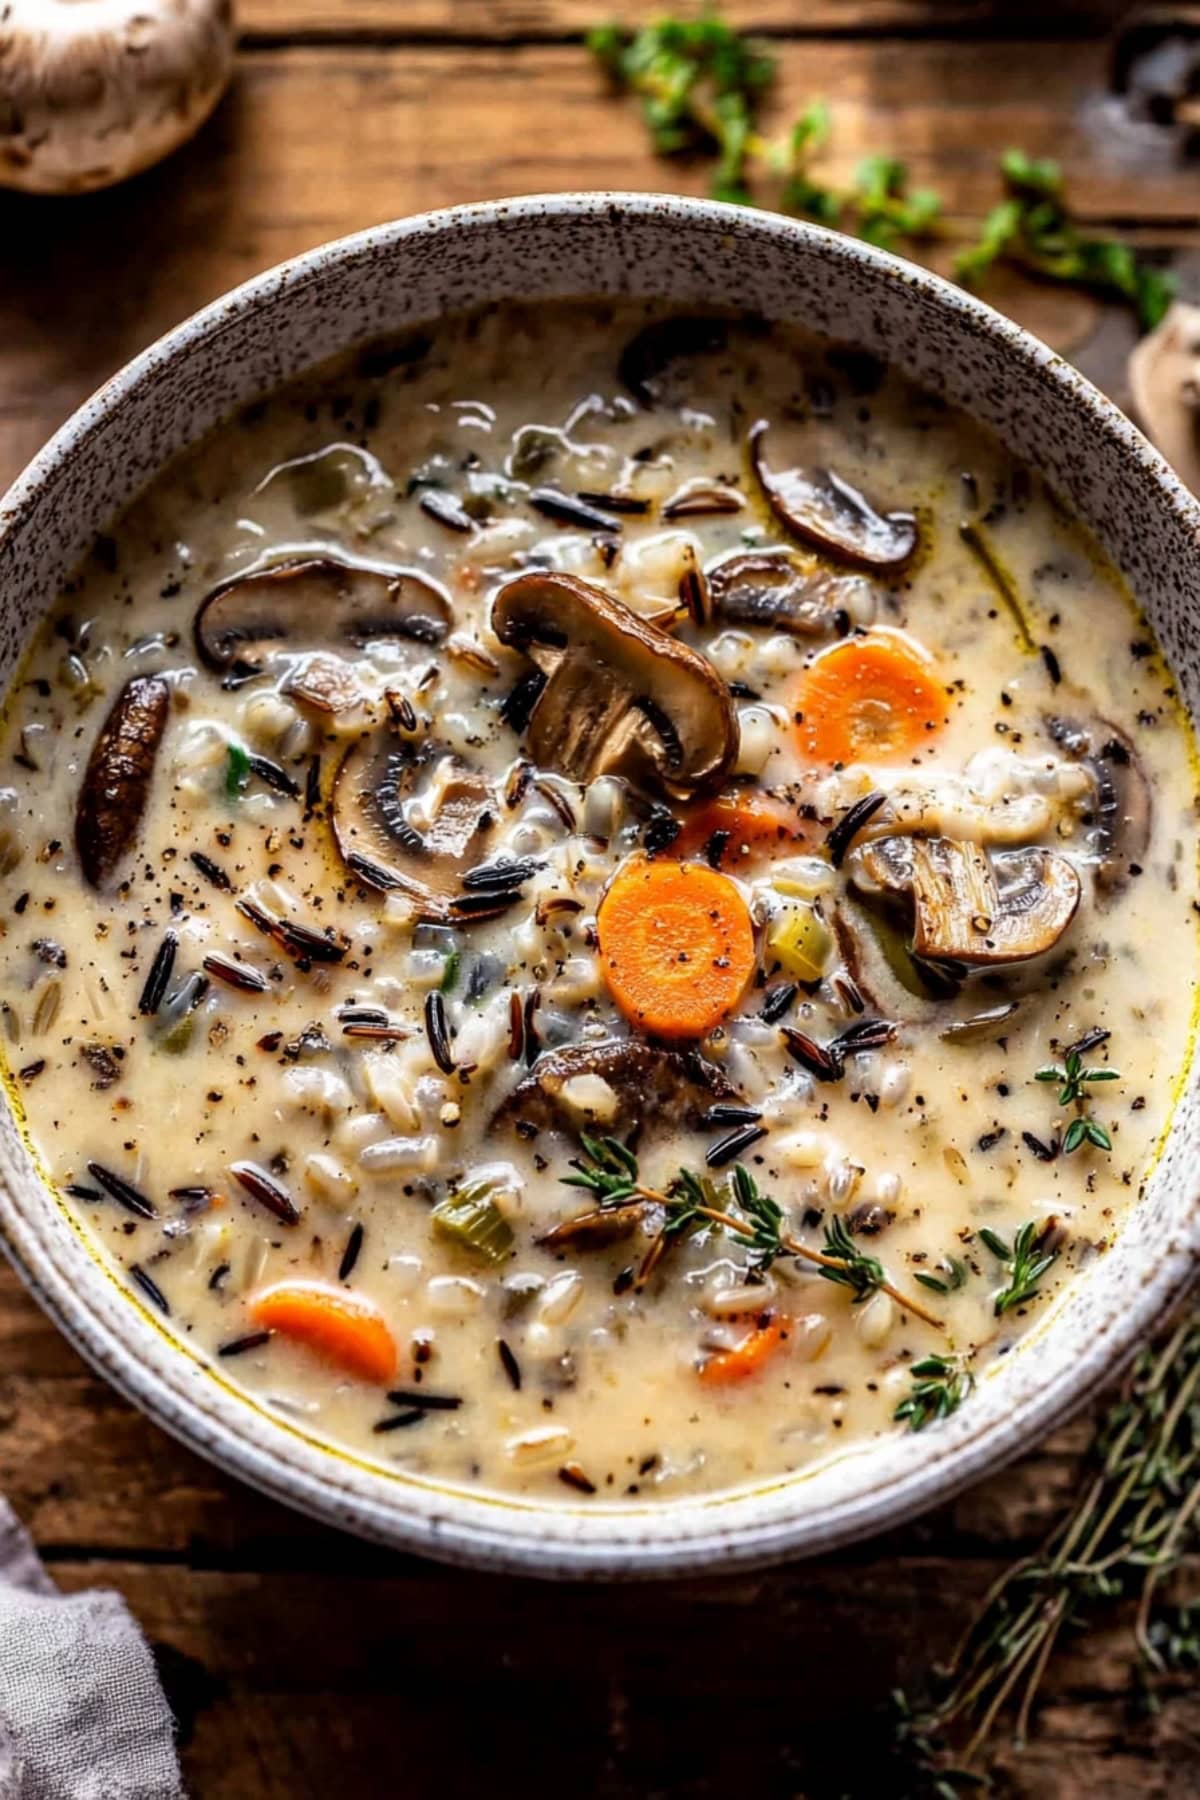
(691, 254)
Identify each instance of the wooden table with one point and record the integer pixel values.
(301, 1662)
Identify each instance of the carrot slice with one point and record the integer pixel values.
(746, 1359)
(753, 825)
(676, 946)
(343, 1328)
(874, 698)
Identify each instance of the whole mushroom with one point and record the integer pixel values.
(91, 91)
(1164, 380)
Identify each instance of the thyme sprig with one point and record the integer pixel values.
(609, 1170)
(1136, 1516)
(1026, 1259)
(1073, 1080)
(940, 1385)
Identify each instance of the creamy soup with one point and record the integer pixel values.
(586, 900)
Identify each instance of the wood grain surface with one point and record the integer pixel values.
(300, 1662)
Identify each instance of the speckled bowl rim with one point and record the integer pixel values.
(757, 1525)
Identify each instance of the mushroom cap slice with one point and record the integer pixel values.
(1123, 809)
(824, 510)
(375, 783)
(94, 93)
(969, 907)
(651, 1084)
(311, 603)
(777, 589)
(621, 696)
(116, 783)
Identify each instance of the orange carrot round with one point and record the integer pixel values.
(676, 946)
(754, 824)
(746, 1359)
(874, 698)
(343, 1328)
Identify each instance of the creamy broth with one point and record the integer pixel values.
(371, 905)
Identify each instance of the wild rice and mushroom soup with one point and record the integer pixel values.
(597, 904)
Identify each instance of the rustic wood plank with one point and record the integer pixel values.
(408, 129)
(510, 21)
(292, 1685)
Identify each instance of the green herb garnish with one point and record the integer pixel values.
(954, 1278)
(1032, 229)
(1073, 1079)
(852, 1268)
(1026, 1260)
(609, 1170)
(940, 1385)
(237, 772)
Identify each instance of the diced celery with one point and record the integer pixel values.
(800, 941)
(470, 1218)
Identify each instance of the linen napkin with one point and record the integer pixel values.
(82, 1714)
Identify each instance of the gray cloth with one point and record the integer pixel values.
(82, 1715)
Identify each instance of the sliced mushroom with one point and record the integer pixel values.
(1164, 379)
(702, 498)
(651, 1085)
(116, 784)
(91, 94)
(317, 602)
(880, 962)
(1122, 812)
(824, 510)
(621, 696)
(600, 1227)
(777, 589)
(650, 353)
(374, 790)
(967, 906)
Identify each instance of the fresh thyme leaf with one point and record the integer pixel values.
(862, 1274)
(940, 1385)
(1025, 1259)
(450, 969)
(1073, 1079)
(954, 1278)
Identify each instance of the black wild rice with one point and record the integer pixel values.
(843, 834)
(150, 1288)
(399, 1421)
(437, 1031)
(273, 776)
(160, 973)
(518, 704)
(425, 1402)
(572, 1476)
(350, 1254)
(615, 503)
(447, 509)
(733, 1145)
(778, 1001)
(505, 872)
(822, 1064)
(238, 975)
(312, 785)
(725, 1113)
(509, 1363)
(564, 509)
(122, 1191)
(1043, 1152)
(259, 1185)
(254, 1340)
(78, 1191)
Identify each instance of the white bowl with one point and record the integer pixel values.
(691, 254)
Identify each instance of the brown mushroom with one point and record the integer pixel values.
(781, 590)
(1122, 811)
(968, 906)
(116, 784)
(824, 510)
(651, 1084)
(1164, 380)
(621, 697)
(91, 94)
(702, 498)
(373, 790)
(312, 603)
